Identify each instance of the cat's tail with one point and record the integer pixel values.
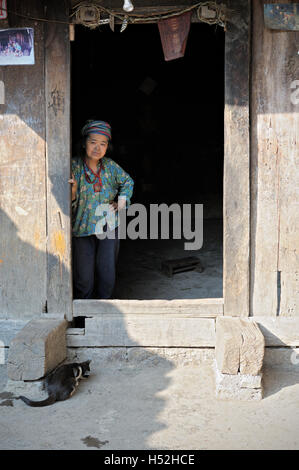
(48, 401)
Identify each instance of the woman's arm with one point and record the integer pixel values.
(74, 182)
(125, 184)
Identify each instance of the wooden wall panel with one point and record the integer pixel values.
(57, 75)
(22, 179)
(274, 171)
(236, 191)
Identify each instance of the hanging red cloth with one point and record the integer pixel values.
(174, 34)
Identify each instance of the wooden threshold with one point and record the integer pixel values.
(209, 308)
(146, 330)
(177, 330)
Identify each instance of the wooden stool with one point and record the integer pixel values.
(171, 267)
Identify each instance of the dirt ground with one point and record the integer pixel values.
(159, 403)
(152, 406)
(139, 275)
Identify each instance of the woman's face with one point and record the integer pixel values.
(96, 146)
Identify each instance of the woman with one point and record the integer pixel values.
(96, 180)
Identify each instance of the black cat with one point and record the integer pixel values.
(61, 383)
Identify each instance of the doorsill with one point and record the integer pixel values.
(209, 308)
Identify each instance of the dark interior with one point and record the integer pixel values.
(167, 123)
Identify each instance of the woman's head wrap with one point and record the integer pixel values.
(97, 127)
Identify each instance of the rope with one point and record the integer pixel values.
(92, 24)
(28, 17)
(219, 11)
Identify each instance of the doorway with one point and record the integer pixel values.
(167, 123)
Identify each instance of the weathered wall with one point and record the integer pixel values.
(274, 170)
(236, 190)
(34, 196)
(23, 265)
(58, 122)
(35, 242)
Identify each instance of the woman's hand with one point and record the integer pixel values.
(74, 184)
(116, 206)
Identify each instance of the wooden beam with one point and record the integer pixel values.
(57, 72)
(193, 308)
(23, 257)
(278, 332)
(275, 171)
(148, 11)
(145, 330)
(236, 190)
(228, 344)
(239, 346)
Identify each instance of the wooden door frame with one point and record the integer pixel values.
(236, 184)
(58, 160)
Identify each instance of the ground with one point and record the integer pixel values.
(157, 405)
(139, 273)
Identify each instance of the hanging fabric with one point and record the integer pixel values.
(174, 34)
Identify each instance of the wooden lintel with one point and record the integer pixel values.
(139, 12)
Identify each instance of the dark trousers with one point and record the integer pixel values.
(94, 266)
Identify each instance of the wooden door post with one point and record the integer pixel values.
(57, 92)
(236, 184)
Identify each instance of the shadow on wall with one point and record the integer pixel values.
(23, 288)
(23, 271)
(277, 378)
(281, 363)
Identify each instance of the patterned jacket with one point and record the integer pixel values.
(90, 209)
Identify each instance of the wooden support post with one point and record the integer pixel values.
(57, 72)
(239, 354)
(236, 189)
(239, 346)
(37, 349)
(23, 261)
(274, 171)
(228, 344)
